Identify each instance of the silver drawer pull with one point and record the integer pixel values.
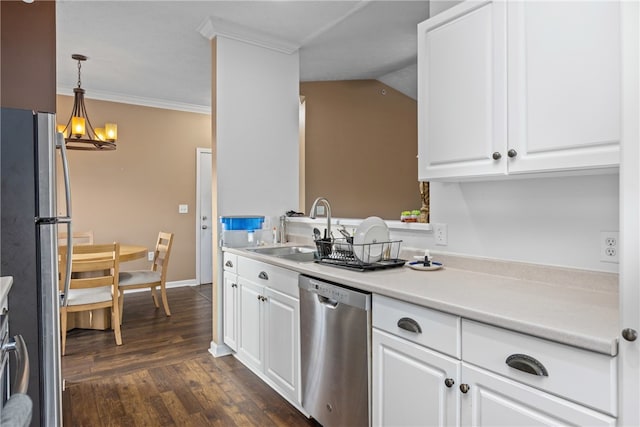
(408, 324)
(527, 364)
(228, 263)
(263, 275)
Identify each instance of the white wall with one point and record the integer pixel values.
(553, 221)
(438, 6)
(257, 129)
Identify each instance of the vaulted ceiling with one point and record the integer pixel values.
(153, 52)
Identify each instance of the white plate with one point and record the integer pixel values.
(418, 265)
(371, 231)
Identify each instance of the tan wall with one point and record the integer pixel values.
(130, 194)
(361, 148)
(28, 55)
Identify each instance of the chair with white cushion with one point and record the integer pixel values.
(152, 278)
(94, 283)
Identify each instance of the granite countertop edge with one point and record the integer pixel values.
(581, 318)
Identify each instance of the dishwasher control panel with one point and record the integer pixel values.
(336, 293)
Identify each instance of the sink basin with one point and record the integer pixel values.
(293, 253)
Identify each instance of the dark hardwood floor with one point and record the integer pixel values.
(163, 375)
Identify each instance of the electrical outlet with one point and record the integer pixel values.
(441, 234)
(150, 256)
(320, 210)
(609, 246)
(183, 209)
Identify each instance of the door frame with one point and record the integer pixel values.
(199, 152)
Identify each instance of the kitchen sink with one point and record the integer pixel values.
(293, 253)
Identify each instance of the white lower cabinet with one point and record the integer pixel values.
(250, 325)
(230, 310)
(268, 324)
(281, 350)
(492, 400)
(412, 385)
(499, 378)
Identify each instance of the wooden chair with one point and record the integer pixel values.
(156, 276)
(79, 238)
(94, 284)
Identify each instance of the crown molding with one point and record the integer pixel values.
(213, 27)
(138, 100)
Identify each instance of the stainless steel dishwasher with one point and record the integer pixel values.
(335, 350)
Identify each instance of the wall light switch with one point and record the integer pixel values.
(183, 208)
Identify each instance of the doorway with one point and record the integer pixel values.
(204, 222)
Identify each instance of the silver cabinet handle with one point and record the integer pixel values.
(449, 382)
(408, 324)
(629, 334)
(234, 285)
(263, 275)
(512, 153)
(228, 264)
(527, 364)
(464, 388)
(496, 155)
(204, 227)
(18, 346)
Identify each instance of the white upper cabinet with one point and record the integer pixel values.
(564, 85)
(462, 91)
(519, 87)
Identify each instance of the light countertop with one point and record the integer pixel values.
(578, 316)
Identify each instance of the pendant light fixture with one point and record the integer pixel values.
(79, 133)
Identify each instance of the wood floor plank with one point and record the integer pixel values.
(163, 374)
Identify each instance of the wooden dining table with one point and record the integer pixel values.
(101, 318)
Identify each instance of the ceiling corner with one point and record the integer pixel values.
(214, 27)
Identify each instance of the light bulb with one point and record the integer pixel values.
(77, 126)
(111, 131)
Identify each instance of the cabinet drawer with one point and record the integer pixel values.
(230, 262)
(280, 279)
(434, 329)
(580, 375)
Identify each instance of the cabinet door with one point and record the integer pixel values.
(493, 400)
(409, 384)
(282, 329)
(230, 310)
(250, 342)
(462, 92)
(564, 85)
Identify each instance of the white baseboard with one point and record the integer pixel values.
(181, 283)
(219, 350)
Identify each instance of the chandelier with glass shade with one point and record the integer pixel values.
(79, 133)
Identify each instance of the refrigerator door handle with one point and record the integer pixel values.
(67, 219)
(65, 170)
(18, 346)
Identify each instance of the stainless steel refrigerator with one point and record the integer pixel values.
(29, 247)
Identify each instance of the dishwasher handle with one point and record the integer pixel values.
(328, 302)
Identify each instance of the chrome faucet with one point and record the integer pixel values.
(313, 213)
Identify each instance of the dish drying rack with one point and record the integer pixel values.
(361, 257)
